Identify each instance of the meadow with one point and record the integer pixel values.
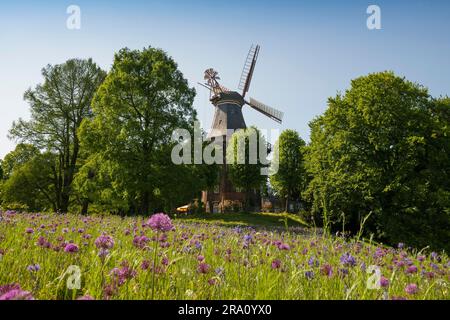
(50, 256)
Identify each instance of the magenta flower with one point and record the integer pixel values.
(411, 289)
(104, 242)
(86, 297)
(384, 282)
(411, 269)
(14, 292)
(140, 241)
(160, 222)
(71, 248)
(276, 264)
(29, 230)
(326, 270)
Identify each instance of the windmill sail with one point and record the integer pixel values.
(249, 67)
(270, 112)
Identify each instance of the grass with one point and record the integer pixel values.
(262, 219)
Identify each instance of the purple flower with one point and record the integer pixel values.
(122, 274)
(326, 270)
(203, 267)
(384, 282)
(411, 269)
(34, 268)
(284, 246)
(86, 297)
(276, 264)
(348, 260)
(200, 258)
(411, 289)
(29, 230)
(401, 245)
(312, 262)
(104, 242)
(309, 275)
(103, 253)
(71, 248)
(160, 222)
(14, 292)
(140, 241)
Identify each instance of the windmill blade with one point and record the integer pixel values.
(270, 112)
(249, 67)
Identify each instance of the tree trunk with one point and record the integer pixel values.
(84, 207)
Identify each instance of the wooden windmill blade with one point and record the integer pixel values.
(270, 112)
(247, 71)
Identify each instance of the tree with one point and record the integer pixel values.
(142, 100)
(244, 162)
(58, 106)
(290, 179)
(381, 151)
(20, 155)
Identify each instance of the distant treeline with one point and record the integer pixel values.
(377, 163)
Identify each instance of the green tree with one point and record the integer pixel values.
(244, 162)
(290, 179)
(58, 106)
(142, 100)
(382, 150)
(30, 184)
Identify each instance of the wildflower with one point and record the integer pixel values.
(219, 271)
(14, 292)
(29, 230)
(71, 248)
(165, 261)
(348, 260)
(401, 245)
(200, 258)
(411, 269)
(203, 267)
(212, 281)
(160, 222)
(326, 270)
(276, 264)
(313, 262)
(145, 265)
(309, 275)
(343, 272)
(104, 242)
(86, 297)
(42, 242)
(384, 282)
(140, 241)
(411, 289)
(284, 246)
(103, 253)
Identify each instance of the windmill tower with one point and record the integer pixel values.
(228, 117)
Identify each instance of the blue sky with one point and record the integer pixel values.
(310, 50)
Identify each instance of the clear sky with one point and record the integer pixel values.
(310, 50)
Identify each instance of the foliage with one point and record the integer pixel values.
(58, 106)
(291, 179)
(244, 160)
(142, 100)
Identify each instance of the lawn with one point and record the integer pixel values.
(259, 220)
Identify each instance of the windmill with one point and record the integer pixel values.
(220, 95)
(227, 118)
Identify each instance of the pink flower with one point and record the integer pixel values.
(203, 267)
(104, 242)
(71, 248)
(384, 282)
(160, 222)
(276, 264)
